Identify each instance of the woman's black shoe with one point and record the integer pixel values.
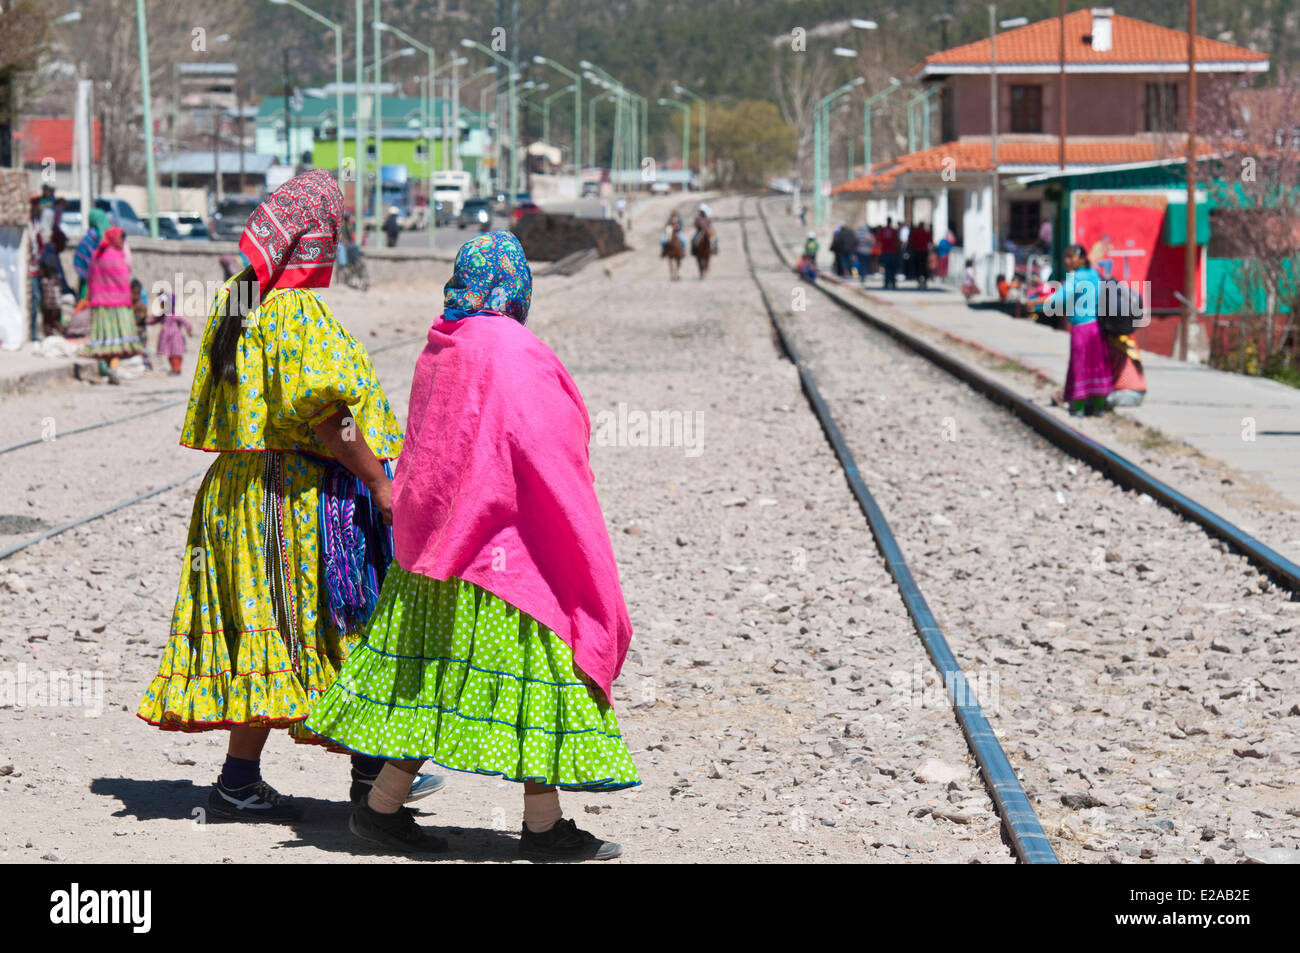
(398, 831)
(565, 841)
(257, 802)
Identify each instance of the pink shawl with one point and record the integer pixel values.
(494, 486)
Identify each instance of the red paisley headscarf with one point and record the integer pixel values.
(290, 238)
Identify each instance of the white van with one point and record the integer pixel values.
(452, 189)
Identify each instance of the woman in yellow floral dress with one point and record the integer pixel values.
(287, 543)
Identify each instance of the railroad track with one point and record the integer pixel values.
(1020, 823)
(882, 365)
(64, 527)
(1119, 469)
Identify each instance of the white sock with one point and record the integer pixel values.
(541, 811)
(390, 790)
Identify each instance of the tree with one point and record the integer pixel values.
(104, 47)
(752, 141)
(1254, 180)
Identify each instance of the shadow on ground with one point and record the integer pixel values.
(324, 824)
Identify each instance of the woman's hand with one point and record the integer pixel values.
(382, 496)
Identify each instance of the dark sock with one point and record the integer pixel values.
(240, 772)
(366, 766)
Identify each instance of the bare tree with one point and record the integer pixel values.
(103, 46)
(799, 80)
(1254, 178)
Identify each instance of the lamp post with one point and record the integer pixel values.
(375, 67)
(922, 100)
(338, 76)
(624, 123)
(426, 115)
(453, 63)
(494, 89)
(821, 145)
(511, 76)
(591, 122)
(378, 118)
(546, 111)
(681, 90)
(142, 30)
(359, 130)
(894, 85)
(577, 118)
(686, 135)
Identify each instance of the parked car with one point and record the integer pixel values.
(167, 227)
(476, 212)
(231, 216)
(525, 208)
(120, 214)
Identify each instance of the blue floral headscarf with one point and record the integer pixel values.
(491, 274)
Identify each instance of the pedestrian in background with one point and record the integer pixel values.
(887, 242)
(865, 250)
(113, 334)
(1088, 377)
(175, 329)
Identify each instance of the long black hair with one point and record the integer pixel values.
(243, 298)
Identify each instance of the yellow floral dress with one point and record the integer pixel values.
(227, 662)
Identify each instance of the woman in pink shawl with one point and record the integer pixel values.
(501, 625)
(113, 333)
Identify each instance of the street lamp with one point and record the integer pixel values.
(821, 144)
(627, 129)
(426, 115)
(894, 84)
(577, 118)
(681, 90)
(686, 135)
(546, 111)
(146, 100)
(511, 77)
(921, 99)
(451, 137)
(338, 76)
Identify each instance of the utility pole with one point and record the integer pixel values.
(1060, 92)
(146, 106)
(1189, 261)
(358, 126)
(288, 114)
(993, 123)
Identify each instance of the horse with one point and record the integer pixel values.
(702, 248)
(674, 251)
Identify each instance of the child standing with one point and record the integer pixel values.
(501, 625)
(175, 329)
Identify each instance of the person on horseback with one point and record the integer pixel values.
(671, 228)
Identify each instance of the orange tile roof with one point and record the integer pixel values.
(1132, 41)
(51, 138)
(978, 157)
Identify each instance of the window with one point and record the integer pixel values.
(1025, 219)
(1162, 107)
(1026, 109)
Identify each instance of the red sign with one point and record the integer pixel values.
(1122, 232)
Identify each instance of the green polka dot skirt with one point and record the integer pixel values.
(451, 673)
